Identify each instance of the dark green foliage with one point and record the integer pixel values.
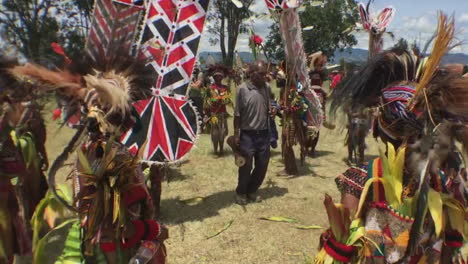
(32, 25)
(273, 44)
(332, 25)
(226, 25)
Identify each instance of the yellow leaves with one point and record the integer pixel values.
(225, 227)
(397, 172)
(393, 166)
(323, 258)
(303, 227)
(25, 143)
(435, 206)
(193, 201)
(214, 120)
(357, 231)
(455, 214)
(280, 219)
(116, 207)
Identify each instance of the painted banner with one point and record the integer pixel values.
(170, 41)
(113, 22)
(171, 127)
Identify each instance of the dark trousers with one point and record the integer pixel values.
(255, 147)
(273, 132)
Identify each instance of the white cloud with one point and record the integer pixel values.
(425, 24)
(260, 26)
(413, 29)
(463, 18)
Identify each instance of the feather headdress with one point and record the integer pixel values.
(117, 81)
(365, 87)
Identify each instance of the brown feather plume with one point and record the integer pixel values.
(113, 90)
(50, 80)
(445, 33)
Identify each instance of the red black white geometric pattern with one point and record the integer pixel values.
(113, 23)
(170, 41)
(131, 2)
(170, 131)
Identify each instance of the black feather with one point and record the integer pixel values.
(365, 87)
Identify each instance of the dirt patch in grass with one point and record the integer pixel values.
(248, 239)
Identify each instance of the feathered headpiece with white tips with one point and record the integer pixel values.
(47, 79)
(113, 90)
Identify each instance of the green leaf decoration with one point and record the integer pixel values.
(193, 201)
(280, 219)
(68, 231)
(302, 227)
(225, 227)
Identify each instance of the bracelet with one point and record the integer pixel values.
(154, 229)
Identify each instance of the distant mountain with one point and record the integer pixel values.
(246, 57)
(455, 58)
(360, 55)
(349, 55)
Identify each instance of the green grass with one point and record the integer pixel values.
(248, 239)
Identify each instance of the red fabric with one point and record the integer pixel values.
(154, 230)
(415, 259)
(137, 236)
(160, 257)
(256, 39)
(12, 167)
(108, 247)
(336, 80)
(56, 113)
(135, 194)
(5, 186)
(337, 250)
(453, 239)
(59, 50)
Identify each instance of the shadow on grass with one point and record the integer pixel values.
(174, 174)
(304, 169)
(367, 158)
(322, 153)
(176, 212)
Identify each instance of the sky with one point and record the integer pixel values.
(415, 20)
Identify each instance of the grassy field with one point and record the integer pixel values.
(248, 239)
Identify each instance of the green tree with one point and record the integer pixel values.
(331, 23)
(32, 25)
(29, 25)
(226, 23)
(274, 44)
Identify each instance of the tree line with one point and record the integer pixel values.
(30, 26)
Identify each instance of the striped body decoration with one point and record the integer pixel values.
(72, 250)
(113, 22)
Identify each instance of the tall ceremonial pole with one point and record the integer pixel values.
(286, 14)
